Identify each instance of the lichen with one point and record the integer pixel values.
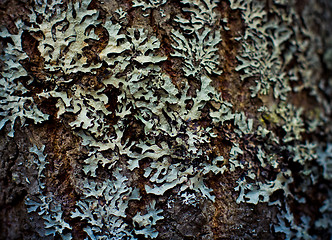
(148, 4)
(15, 103)
(146, 221)
(64, 35)
(173, 131)
(105, 202)
(325, 160)
(44, 204)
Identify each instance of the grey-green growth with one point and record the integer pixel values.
(174, 144)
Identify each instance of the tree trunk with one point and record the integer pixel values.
(165, 119)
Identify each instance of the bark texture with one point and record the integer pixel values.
(165, 119)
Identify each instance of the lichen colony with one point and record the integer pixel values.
(152, 114)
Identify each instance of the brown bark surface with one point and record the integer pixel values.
(222, 219)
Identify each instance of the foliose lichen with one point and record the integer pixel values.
(44, 203)
(124, 86)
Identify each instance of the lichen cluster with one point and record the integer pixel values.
(273, 40)
(135, 120)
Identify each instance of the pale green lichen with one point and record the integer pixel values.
(292, 229)
(64, 35)
(261, 192)
(174, 147)
(261, 57)
(325, 160)
(272, 39)
(105, 202)
(146, 221)
(189, 199)
(51, 212)
(324, 222)
(197, 46)
(45, 205)
(14, 101)
(291, 121)
(148, 4)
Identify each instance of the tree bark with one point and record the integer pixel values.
(164, 119)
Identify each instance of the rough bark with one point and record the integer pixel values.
(252, 150)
